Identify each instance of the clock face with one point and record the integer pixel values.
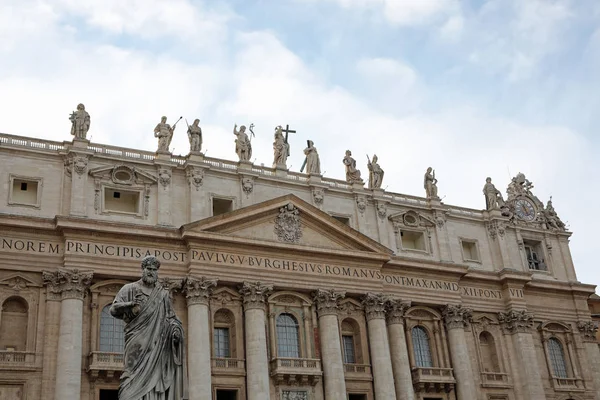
(525, 210)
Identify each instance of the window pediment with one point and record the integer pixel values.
(124, 175)
(411, 219)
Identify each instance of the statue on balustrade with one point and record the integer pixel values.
(243, 146)
(375, 173)
(155, 365)
(430, 184)
(195, 136)
(493, 197)
(164, 133)
(281, 149)
(312, 161)
(352, 173)
(80, 122)
(551, 217)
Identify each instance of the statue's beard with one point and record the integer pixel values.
(149, 280)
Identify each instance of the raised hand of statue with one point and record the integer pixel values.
(176, 336)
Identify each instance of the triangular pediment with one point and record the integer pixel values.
(287, 220)
(18, 282)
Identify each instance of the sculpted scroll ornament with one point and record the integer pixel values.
(196, 177)
(516, 321)
(396, 309)
(198, 290)
(254, 294)
(164, 177)
(457, 316)
(287, 224)
(588, 330)
(294, 395)
(361, 204)
(327, 301)
(381, 210)
(318, 196)
(247, 185)
(68, 284)
(374, 304)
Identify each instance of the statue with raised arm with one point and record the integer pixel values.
(281, 149)
(493, 197)
(430, 184)
(352, 173)
(195, 136)
(155, 365)
(80, 122)
(312, 161)
(243, 146)
(375, 173)
(551, 218)
(164, 133)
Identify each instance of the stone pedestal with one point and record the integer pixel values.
(331, 349)
(71, 285)
(245, 165)
(197, 293)
(195, 156)
(257, 363)
(383, 376)
(457, 318)
(398, 349)
(314, 178)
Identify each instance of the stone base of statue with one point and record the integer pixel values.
(80, 143)
(195, 156)
(163, 155)
(358, 185)
(281, 170)
(245, 165)
(434, 201)
(495, 213)
(314, 178)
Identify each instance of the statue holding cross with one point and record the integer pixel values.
(281, 147)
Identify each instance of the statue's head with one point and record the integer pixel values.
(429, 169)
(488, 180)
(243, 128)
(375, 158)
(80, 107)
(150, 266)
(196, 122)
(163, 119)
(348, 153)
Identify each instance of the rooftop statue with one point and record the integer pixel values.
(311, 162)
(352, 173)
(493, 197)
(551, 218)
(155, 365)
(164, 133)
(195, 136)
(430, 184)
(281, 149)
(243, 146)
(375, 173)
(80, 122)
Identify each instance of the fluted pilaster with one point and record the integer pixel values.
(457, 318)
(395, 310)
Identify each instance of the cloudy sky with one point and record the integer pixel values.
(474, 88)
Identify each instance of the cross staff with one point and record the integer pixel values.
(287, 131)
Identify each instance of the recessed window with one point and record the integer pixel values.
(469, 249)
(413, 240)
(221, 342)
(226, 394)
(124, 201)
(24, 191)
(348, 344)
(221, 206)
(354, 396)
(534, 255)
(342, 219)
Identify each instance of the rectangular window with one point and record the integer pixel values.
(413, 240)
(348, 343)
(24, 191)
(221, 342)
(469, 249)
(125, 201)
(221, 206)
(535, 259)
(354, 396)
(226, 394)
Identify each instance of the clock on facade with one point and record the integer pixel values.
(525, 210)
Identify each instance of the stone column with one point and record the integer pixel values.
(381, 360)
(331, 349)
(519, 324)
(197, 293)
(257, 363)
(588, 332)
(398, 349)
(51, 332)
(72, 285)
(457, 318)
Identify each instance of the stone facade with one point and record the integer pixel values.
(290, 286)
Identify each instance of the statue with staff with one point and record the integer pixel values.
(80, 122)
(375, 173)
(243, 144)
(312, 161)
(164, 133)
(430, 184)
(195, 136)
(281, 146)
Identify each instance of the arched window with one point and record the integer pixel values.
(288, 341)
(13, 324)
(421, 347)
(224, 334)
(557, 358)
(111, 332)
(489, 357)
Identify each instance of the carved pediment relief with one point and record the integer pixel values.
(123, 175)
(286, 298)
(225, 295)
(18, 282)
(411, 218)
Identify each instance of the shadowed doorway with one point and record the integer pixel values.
(107, 394)
(225, 394)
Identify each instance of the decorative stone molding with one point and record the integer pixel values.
(327, 301)
(361, 204)
(318, 196)
(395, 310)
(198, 290)
(195, 176)
(255, 294)
(247, 185)
(164, 177)
(457, 316)
(410, 219)
(173, 285)
(374, 304)
(67, 283)
(381, 210)
(588, 330)
(287, 224)
(18, 282)
(294, 395)
(146, 200)
(77, 164)
(495, 229)
(516, 321)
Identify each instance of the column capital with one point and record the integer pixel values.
(374, 304)
(516, 321)
(395, 310)
(327, 301)
(456, 316)
(254, 294)
(67, 283)
(588, 330)
(198, 289)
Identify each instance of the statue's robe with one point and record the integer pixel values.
(155, 367)
(313, 164)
